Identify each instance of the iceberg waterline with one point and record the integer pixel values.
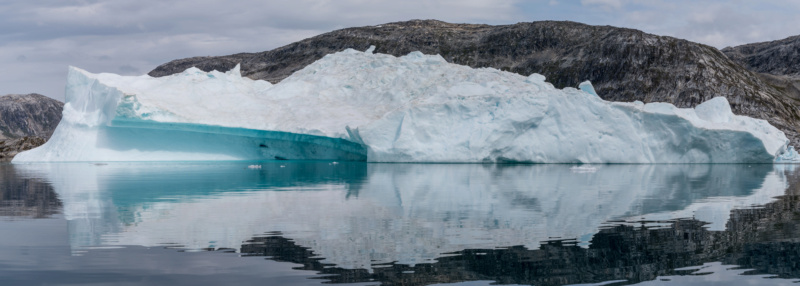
(362, 106)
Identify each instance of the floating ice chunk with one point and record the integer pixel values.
(371, 50)
(790, 156)
(583, 169)
(254, 167)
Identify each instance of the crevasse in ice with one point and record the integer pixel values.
(356, 105)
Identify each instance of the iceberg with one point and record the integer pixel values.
(362, 106)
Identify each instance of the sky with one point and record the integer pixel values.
(39, 40)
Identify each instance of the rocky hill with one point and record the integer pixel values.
(623, 64)
(776, 62)
(781, 57)
(26, 121)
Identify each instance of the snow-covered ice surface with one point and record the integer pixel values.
(356, 105)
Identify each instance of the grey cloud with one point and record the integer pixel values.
(128, 16)
(134, 36)
(608, 4)
(128, 70)
(21, 58)
(717, 23)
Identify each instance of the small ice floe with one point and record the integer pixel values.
(788, 156)
(254, 167)
(333, 163)
(583, 169)
(283, 166)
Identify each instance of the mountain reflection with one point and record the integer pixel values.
(22, 196)
(763, 240)
(418, 224)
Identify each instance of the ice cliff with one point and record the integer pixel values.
(362, 106)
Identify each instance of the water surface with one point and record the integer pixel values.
(299, 223)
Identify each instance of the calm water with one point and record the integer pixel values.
(304, 223)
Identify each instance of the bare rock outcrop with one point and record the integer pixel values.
(26, 121)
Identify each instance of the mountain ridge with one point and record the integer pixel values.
(775, 62)
(779, 57)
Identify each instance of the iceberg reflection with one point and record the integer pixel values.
(356, 215)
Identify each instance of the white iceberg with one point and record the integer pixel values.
(361, 106)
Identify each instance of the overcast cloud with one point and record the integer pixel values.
(40, 39)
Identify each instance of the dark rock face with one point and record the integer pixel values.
(623, 64)
(781, 57)
(28, 115)
(26, 121)
(777, 63)
(11, 147)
